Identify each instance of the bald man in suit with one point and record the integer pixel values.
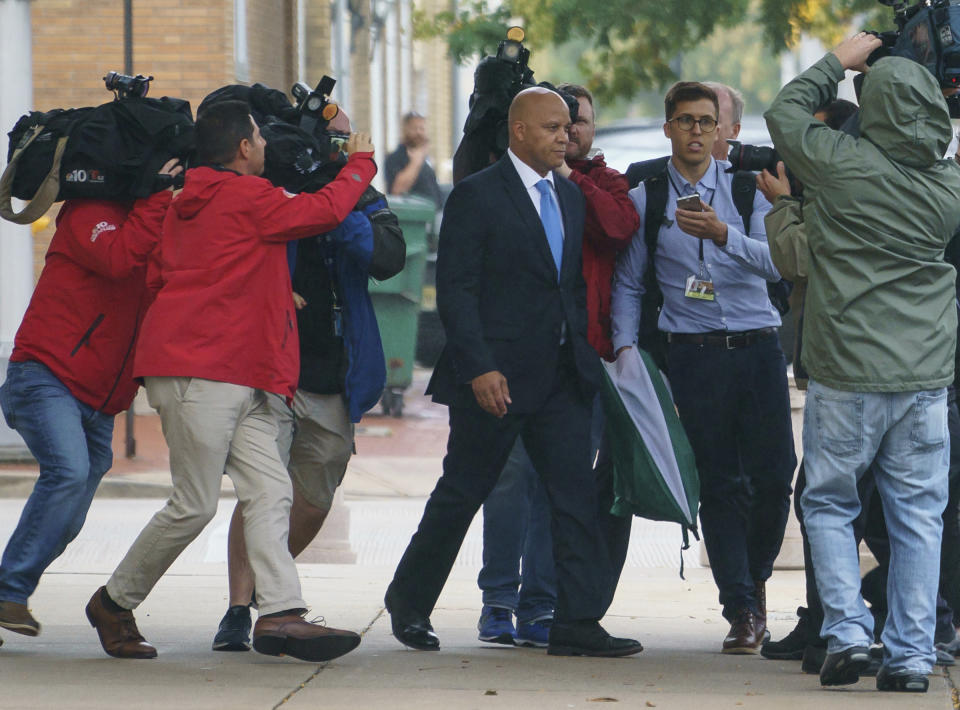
(512, 298)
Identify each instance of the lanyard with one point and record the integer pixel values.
(710, 203)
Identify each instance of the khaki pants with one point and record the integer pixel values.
(214, 428)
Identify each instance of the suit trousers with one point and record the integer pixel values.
(557, 439)
(214, 428)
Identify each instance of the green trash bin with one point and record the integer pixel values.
(396, 301)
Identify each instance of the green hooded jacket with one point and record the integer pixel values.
(878, 210)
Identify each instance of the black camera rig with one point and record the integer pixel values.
(314, 105)
(928, 32)
(124, 86)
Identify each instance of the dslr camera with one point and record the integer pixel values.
(751, 157)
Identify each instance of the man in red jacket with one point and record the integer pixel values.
(69, 374)
(516, 515)
(219, 337)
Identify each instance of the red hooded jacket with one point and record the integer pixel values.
(83, 317)
(225, 308)
(610, 224)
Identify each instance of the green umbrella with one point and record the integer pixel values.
(655, 472)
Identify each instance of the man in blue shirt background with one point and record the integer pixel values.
(727, 370)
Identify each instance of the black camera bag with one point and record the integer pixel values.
(263, 101)
(108, 152)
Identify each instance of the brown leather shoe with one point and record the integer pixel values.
(16, 617)
(291, 635)
(760, 590)
(118, 631)
(747, 633)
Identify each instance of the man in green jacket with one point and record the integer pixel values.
(879, 338)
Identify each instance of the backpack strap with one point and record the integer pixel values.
(744, 189)
(638, 172)
(46, 194)
(649, 337)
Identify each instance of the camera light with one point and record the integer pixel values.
(314, 103)
(330, 111)
(511, 50)
(516, 34)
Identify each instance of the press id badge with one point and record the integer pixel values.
(699, 287)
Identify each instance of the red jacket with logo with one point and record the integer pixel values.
(610, 224)
(225, 307)
(83, 318)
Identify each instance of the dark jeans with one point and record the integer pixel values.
(950, 549)
(516, 524)
(557, 438)
(735, 408)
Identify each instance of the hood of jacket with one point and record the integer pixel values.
(904, 113)
(199, 187)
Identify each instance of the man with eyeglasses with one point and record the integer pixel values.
(727, 370)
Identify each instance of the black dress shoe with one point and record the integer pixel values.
(902, 682)
(409, 627)
(845, 667)
(588, 638)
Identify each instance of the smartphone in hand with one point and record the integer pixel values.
(690, 202)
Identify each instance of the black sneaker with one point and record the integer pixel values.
(902, 682)
(791, 646)
(234, 631)
(813, 657)
(845, 667)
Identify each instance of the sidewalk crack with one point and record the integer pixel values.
(954, 694)
(323, 666)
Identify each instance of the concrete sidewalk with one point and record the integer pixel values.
(385, 489)
(677, 622)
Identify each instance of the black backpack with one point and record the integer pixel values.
(653, 174)
(107, 152)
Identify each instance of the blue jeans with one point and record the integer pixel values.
(73, 446)
(516, 524)
(905, 435)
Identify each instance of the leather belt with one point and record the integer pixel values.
(727, 340)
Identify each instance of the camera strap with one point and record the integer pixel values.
(45, 195)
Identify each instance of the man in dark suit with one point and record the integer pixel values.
(512, 298)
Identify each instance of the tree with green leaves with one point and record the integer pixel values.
(633, 44)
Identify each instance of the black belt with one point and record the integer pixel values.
(728, 340)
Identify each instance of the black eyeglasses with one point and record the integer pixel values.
(686, 122)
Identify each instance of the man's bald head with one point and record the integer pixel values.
(539, 121)
(529, 100)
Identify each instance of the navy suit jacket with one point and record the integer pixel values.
(498, 294)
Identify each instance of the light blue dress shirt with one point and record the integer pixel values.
(739, 270)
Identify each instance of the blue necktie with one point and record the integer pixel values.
(552, 224)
